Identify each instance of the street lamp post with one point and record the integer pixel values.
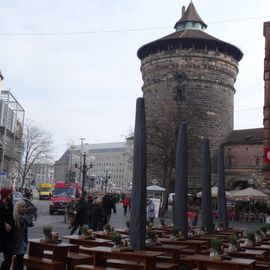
(83, 169)
(107, 177)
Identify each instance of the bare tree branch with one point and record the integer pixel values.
(37, 147)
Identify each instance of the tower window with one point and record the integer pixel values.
(179, 95)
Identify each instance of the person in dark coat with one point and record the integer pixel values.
(81, 217)
(97, 220)
(90, 210)
(108, 205)
(6, 227)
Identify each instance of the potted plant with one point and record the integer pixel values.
(258, 236)
(175, 233)
(116, 239)
(251, 238)
(127, 224)
(232, 239)
(264, 229)
(162, 223)
(203, 230)
(151, 236)
(47, 231)
(86, 231)
(220, 226)
(216, 245)
(107, 228)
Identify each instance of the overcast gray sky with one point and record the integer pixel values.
(73, 65)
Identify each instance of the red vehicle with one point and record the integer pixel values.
(63, 193)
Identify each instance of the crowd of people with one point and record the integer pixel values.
(95, 211)
(13, 230)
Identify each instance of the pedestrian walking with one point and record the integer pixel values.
(151, 211)
(125, 203)
(6, 227)
(20, 233)
(129, 203)
(97, 220)
(81, 217)
(108, 206)
(90, 203)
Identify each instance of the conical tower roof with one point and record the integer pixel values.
(189, 34)
(191, 15)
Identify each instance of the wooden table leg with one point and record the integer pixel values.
(149, 263)
(99, 260)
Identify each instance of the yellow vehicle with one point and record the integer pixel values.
(45, 190)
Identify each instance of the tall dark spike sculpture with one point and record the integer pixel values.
(181, 181)
(222, 203)
(138, 199)
(206, 187)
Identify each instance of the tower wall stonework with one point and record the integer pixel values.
(200, 85)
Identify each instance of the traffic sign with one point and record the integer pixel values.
(267, 155)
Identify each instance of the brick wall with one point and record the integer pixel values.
(199, 86)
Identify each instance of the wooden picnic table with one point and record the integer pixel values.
(102, 254)
(173, 250)
(260, 247)
(85, 241)
(37, 253)
(248, 253)
(204, 262)
(193, 243)
(239, 232)
(105, 235)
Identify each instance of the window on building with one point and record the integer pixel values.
(257, 161)
(229, 161)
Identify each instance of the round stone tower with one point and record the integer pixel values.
(188, 76)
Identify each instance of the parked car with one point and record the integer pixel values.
(31, 208)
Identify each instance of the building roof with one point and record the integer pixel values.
(191, 15)
(189, 37)
(246, 136)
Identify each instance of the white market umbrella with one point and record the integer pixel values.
(214, 193)
(155, 188)
(249, 194)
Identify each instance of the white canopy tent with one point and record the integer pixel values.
(155, 188)
(155, 191)
(214, 193)
(249, 194)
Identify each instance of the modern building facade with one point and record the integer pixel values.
(42, 173)
(11, 136)
(188, 76)
(110, 160)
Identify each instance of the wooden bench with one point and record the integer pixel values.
(44, 255)
(136, 265)
(36, 263)
(91, 267)
(129, 264)
(262, 265)
(75, 258)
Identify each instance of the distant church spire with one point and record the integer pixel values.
(190, 19)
